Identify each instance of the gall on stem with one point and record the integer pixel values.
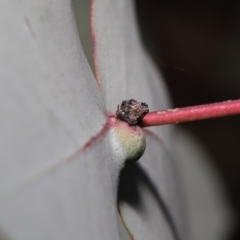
(193, 113)
(127, 136)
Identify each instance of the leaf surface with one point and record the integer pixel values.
(58, 170)
(53, 183)
(126, 71)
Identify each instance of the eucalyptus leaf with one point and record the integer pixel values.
(126, 71)
(58, 169)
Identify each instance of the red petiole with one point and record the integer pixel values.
(194, 113)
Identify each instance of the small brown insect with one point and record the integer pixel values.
(132, 111)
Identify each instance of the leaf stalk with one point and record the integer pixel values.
(193, 113)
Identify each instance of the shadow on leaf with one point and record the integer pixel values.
(132, 177)
(3, 235)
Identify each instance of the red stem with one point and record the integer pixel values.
(193, 113)
(93, 37)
